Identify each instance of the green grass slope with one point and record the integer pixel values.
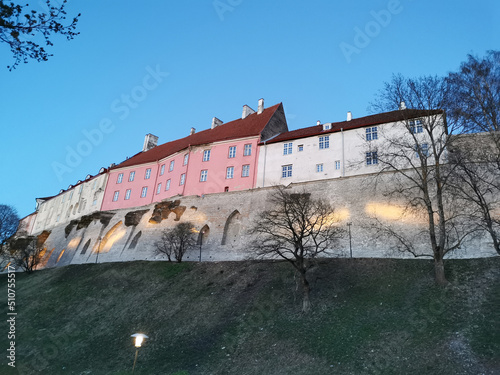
(370, 316)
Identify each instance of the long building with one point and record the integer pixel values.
(254, 151)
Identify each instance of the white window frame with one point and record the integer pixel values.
(245, 170)
(232, 152)
(116, 195)
(183, 179)
(337, 164)
(371, 133)
(131, 176)
(144, 192)
(147, 175)
(424, 149)
(120, 178)
(206, 155)
(247, 151)
(416, 126)
(319, 168)
(203, 175)
(324, 142)
(286, 171)
(171, 167)
(127, 194)
(287, 148)
(158, 189)
(229, 173)
(186, 159)
(371, 158)
(300, 148)
(162, 169)
(167, 185)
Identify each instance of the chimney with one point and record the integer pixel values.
(402, 106)
(216, 122)
(192, 131)
(246, 111)
(260, 109)
(349, 116)
(150, 141)
(318, 122)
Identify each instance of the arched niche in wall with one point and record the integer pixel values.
(110, 238)
(135, 240)
(232, 228)
(85, 247)
(203, 235)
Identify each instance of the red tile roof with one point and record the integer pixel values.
(380, 118)
(250, 126)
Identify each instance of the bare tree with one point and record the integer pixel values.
(416, 149)
(27, 252)
(296, 228)
(9, 221)
(175, 242)
(474, 103)
(17, 24)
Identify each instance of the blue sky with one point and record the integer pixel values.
(163, 67)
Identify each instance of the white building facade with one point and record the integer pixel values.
(334, 150)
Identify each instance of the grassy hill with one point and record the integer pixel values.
(370, 316)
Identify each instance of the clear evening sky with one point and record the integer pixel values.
(163, 67)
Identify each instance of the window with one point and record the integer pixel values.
(158, 189)
(324, 142)
(287, 148)
(120, 178)
(371, 133)
(186, 159)
(94, 185)
(127, 194)
(248, 150)
(162, 169)
(337, 164)
(245, 170)
(232, 151)
(286, 171)
(148, 174)
(300, 148)
(115, 196)
(81, 188)
(167, 185)
(94, 202)
(171, 168)
(229, 172)
(416, 126)
(203, 175)
(319, 167)
(327, 127)
(144, 192)
(183, 179)
(206, 155)
(424, 150)
(71, 194)
(371, 158)
(131, 176)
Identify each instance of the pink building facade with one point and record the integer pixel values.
(223, 158)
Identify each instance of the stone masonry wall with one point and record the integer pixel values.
(129, 234)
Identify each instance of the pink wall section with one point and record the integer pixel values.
(216, 175)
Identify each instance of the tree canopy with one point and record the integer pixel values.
(20, 25)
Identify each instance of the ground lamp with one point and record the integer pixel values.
(139, 338)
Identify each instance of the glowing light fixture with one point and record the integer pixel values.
(139, 339)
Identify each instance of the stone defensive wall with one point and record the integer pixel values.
(222, 221)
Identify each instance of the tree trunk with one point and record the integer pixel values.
(306, 303)
(439, 271)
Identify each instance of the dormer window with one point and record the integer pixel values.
(327, 126)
